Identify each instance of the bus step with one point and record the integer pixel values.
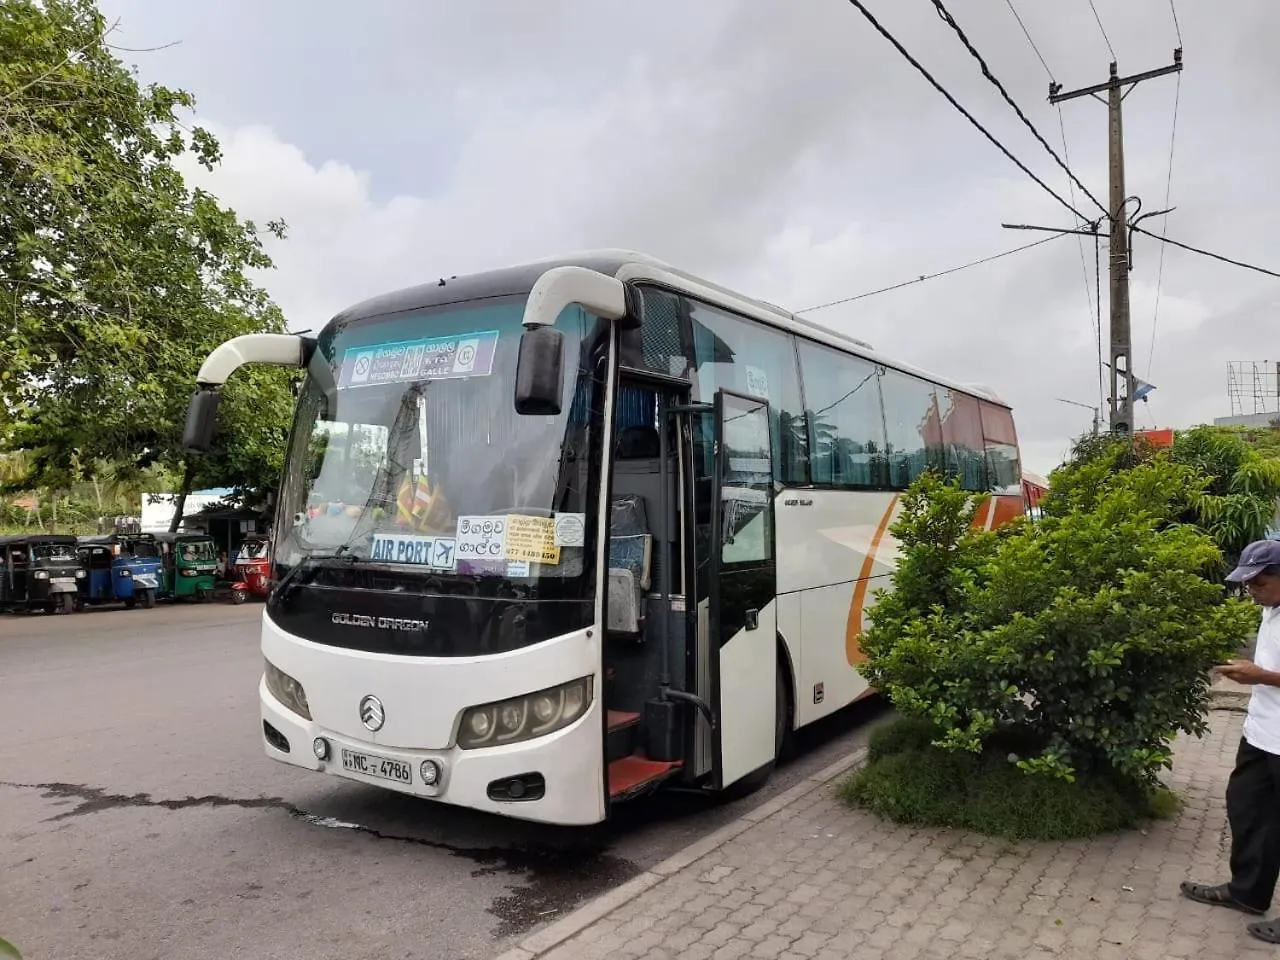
(631, 775)
(624, 730)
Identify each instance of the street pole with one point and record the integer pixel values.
(1117, 88)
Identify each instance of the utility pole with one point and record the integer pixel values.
(1117, 88)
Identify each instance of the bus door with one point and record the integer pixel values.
(737, 577)
(648, 639)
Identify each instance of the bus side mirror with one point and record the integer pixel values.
(540, 372)
(202, 414)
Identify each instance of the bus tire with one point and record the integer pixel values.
(784, 726)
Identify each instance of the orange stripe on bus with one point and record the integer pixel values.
(853, 628)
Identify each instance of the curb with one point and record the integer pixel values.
(543, 941)
(1225, 695)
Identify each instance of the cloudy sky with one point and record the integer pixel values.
(778, 146)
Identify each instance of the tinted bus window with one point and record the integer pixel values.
(962, 439)
(1001, 443)
(845, 424)
(734, 353)
(912, 426)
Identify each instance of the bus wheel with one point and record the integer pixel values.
(783, 724)
(148, 599)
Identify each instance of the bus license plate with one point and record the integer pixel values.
(380, 767)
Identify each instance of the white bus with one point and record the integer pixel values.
(551, 536)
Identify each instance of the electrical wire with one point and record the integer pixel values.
(1206, 253)
(1176, 26)
(1094, 312)
(929, 276)
(955, 103)
(1027, 33)
(950, 21)
(1164, 229)
(1102, 29)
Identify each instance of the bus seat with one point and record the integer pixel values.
(634, 554)
(624, 603)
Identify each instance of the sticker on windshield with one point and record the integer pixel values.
(438, 553)
(436, 358)
(532, 539)
(481, 538)
(571, 529)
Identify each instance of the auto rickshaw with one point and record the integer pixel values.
(123, 568)
(253, 569)
(39, 572)
(189, 563)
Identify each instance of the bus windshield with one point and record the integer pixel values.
(407, 450)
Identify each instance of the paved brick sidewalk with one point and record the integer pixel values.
(819, 881)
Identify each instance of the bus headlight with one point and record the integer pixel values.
(287, 690)
(526, 717)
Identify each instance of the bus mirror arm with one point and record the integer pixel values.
(279, 349)
(704, 708)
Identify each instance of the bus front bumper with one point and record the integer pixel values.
(553, 779)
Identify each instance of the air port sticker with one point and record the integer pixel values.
(438, 553)
(437, 358)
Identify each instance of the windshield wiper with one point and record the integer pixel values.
(290, 581)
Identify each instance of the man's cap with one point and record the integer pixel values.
(1255, 558)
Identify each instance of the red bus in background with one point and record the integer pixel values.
(1034, 487)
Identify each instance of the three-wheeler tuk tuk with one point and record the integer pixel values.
(120, 568)
(39, 572)
(253, 569)
(189, 565)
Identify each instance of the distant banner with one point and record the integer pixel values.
(437, 358)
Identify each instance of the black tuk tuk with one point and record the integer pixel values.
(39, 572)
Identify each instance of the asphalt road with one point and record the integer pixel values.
(140, 818)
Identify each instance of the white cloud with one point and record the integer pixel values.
(787, 152)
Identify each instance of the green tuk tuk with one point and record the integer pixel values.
(189, 563)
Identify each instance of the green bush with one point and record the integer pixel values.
(1085, 639)
(1235, 504)
(909, 781)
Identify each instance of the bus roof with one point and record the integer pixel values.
(628, 265)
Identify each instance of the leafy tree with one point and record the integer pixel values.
(1236, 504)
(1081, 643)
(116, 278)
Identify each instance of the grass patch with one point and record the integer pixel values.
(907, 780)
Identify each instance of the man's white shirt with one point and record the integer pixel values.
(1262, 724)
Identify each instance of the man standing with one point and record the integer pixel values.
(1253, 791)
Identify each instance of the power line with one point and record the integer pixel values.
(1207, 253)
(955, 103)
(1176, 26)
(1027, 34)
(950, 21)
(1102, 29)
(929, 276)
(1164, 229)
(1093, 311)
